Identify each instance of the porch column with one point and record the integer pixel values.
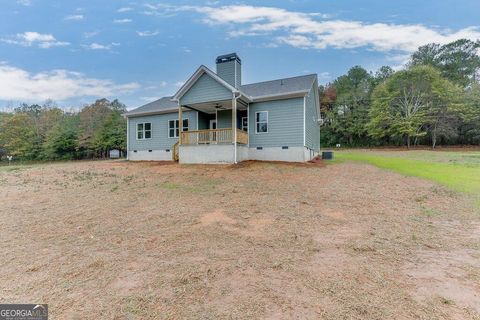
(180, 124)
(234, 128)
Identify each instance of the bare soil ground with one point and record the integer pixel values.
(119, 240)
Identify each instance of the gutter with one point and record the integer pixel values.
(139, 114)
(235, 131)
(292, 94)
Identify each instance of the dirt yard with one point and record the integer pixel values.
(119, 240)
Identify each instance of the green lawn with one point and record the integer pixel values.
(457, 170)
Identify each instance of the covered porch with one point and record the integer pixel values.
(222, 123)
(219, 122)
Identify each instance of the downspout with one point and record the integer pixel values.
(304, 128)
(128, 139)
(235, 98)
(248, 125)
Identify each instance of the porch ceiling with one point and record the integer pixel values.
(212, 107)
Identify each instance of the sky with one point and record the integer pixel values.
(73, 52)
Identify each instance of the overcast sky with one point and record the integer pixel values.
(76, 51)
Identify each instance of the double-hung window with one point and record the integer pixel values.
(173, 128)
(144, 130)
(261, 122)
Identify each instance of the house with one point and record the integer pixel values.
(214, 118)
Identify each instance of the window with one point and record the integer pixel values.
(245, 124)
(173, 127)
(261, 122)
(144, 130)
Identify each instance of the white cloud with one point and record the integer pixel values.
(164, 10)
(125, 9)
(147, 33)
(324, 76)
(99, 46)
(307, 30)
(25, 3)
(74, 17)
(30, 38)
(179, 83)
(21, 85)
(122, 20)
(90, 34)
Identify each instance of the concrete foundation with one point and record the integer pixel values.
(223, 154)
(154, 155)
(211, 153)
(292, 154)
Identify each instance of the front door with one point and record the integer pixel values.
(213, 134)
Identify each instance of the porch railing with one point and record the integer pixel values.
(242, 137)
(213, 136)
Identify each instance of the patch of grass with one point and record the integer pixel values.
(14, 168)
(84, 175)
(446, 301)
(170, 186)
(128, 179)
(460, 176)
(430, 212)
(421, 198)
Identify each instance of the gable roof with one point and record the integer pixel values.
(200, 71)
(281, 87)
(254, 92)
(164, 104)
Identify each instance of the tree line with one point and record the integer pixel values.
(46, 132)
(434, 100)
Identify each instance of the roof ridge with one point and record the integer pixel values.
(165, 97)
(305, 75)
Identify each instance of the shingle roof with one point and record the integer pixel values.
(279, 86)
(162, 104)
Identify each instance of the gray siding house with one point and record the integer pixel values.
(214, 118)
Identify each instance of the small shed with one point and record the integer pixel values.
(114, 154)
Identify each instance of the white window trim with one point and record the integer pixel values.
(136, 130)
(247, 124)
(255, 122)
(175, 127)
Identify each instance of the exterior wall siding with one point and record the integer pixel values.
(285, 123)
(312, 129)
(224, 118)
(203, 121)
(160, 139)
(230, 72)
(205, 89)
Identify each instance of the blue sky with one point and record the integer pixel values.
(76, 51)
